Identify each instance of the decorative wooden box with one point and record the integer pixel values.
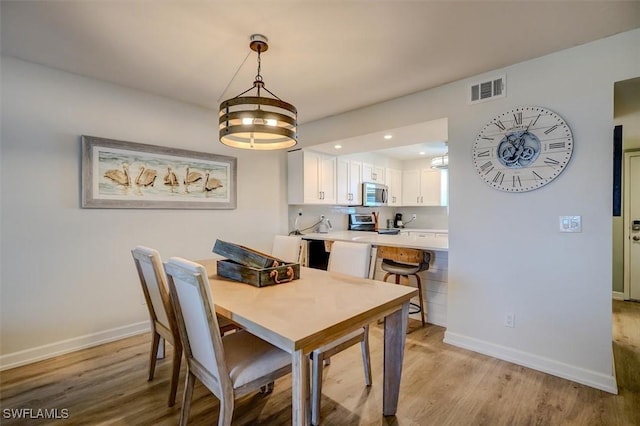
(253, 267)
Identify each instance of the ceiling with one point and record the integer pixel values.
(325, 57)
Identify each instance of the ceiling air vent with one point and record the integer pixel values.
(487, 90)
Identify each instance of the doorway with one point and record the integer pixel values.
(632, 225)
(627, 121)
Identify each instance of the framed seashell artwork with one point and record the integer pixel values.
(127, 175)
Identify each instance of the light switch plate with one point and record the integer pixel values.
(570, 223)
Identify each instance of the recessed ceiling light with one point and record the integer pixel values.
(421, 153)
(337, 146)
(388, 136)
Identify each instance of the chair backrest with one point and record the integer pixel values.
(287, 248)
(197, 323)
(154, 285)
(350, 258)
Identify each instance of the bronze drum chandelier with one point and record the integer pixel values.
(258, 122)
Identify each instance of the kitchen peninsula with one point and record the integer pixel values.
(435, 279)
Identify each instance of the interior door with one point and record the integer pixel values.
(632, 224)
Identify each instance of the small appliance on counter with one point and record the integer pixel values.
(325, 225)
(397, 222)
(367, 222)
(362, 222)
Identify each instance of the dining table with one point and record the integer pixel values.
(304, 314)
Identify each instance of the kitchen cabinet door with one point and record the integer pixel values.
(430, 190)
(372, 173)
(349, 182)
(394, 182)
(327, 179)
(311, 178)
(411, 187)
(422, 187)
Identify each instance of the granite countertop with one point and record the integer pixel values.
(424, 243)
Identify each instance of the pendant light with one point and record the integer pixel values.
(258, 122)
(440, 162)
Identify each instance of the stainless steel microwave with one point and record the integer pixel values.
(374, 194)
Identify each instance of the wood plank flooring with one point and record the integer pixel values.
(441, 385)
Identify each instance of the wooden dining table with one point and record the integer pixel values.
(320, 307)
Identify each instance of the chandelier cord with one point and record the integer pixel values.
(234, 77)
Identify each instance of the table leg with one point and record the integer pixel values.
(300, 388)
(395, 331)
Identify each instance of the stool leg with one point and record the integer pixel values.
(421, 297)
(397, 279)
(386, 276)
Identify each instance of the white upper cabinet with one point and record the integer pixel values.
(312, 178)
(349, 182)
(394, 182)
(372, 173)
(423, 187)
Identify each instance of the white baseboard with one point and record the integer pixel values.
(589, 378)
(28, 356)
(617, 295)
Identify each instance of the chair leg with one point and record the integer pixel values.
(186, 398)
(155, 343)
(175, 374)
(386, 276)
(366, 356)
(423, 314)
(316, 387)
(226, 412)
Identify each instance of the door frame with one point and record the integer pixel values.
(627, 220)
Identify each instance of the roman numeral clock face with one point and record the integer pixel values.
(522, 149)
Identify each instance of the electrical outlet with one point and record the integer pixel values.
(509, 319)
(413, 217)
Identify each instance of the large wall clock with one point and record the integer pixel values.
(522, 149)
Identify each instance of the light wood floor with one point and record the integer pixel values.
(441, 385)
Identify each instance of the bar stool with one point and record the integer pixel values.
(418, 262)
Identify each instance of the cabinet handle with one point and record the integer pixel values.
(422, 199)
(417, 199)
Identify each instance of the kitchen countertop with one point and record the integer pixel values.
(423, 243)
(437, 231)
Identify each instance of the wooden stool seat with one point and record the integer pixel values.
(419, 262)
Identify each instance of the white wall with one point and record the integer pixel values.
(506, 254)
(67, 274)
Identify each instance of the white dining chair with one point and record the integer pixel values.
(352, 259)
(163, 321)
(230, 366)
(287, 248)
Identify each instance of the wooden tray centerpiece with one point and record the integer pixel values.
(253, 267)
